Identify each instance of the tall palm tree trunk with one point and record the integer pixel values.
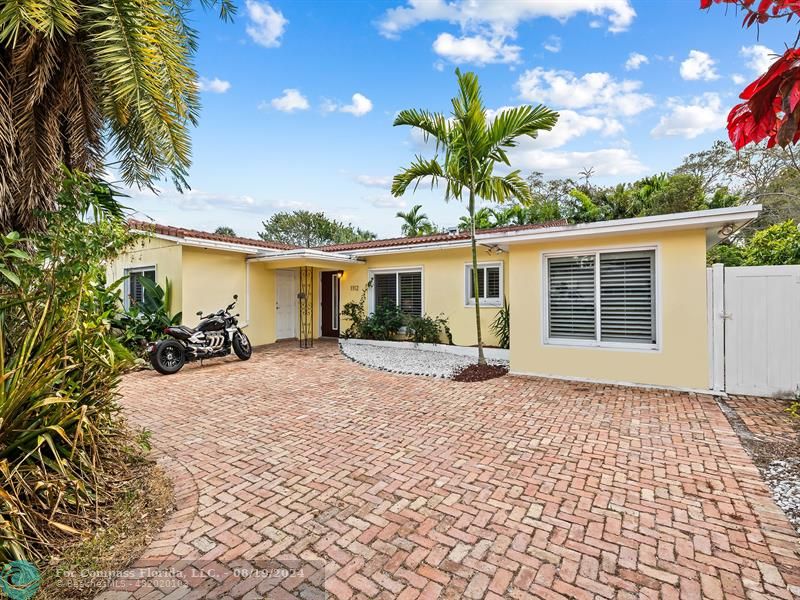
(481, 358)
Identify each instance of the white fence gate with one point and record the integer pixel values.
(754, 317)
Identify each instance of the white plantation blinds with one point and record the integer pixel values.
(603, 297)
(571, 298)
(385, 288)
(410, 293)
(489, 284)
(627, 298)
(403, 289)
(135, 290)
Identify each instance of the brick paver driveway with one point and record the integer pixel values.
(406, 487)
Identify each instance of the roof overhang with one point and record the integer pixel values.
(208, 244)
(305, 257)
(719, 223)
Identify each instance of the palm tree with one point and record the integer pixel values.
(79, 80)
(415, 223)
(472, 146)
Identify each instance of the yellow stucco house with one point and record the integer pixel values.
(615, 301)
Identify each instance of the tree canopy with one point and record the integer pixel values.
(84, 80)
(310, 229)
(225, 230)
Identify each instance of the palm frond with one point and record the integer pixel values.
(430, 123)
(502, 189)
(419, 170)
(513, 123)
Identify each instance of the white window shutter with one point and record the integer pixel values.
(627, 297)
(571, 297)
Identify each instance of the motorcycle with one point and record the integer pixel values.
(216, 335)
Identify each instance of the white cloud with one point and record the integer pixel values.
(594, 92)
(290, 101)
(359, 105)
(501, 18)
(605, 162)
(197, 200)
(387, 201)
(738, 79)
(699, 65)
(374, 181)
(266, 24)
(476, 49)
(759, 58)
(701, 115)
(552, 44)
(570, 125)
(635, 60)
(216, 85)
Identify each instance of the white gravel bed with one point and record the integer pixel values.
(410, 361)
(782, 477)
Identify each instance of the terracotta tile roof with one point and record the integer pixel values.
(437, 237)
(181, 232)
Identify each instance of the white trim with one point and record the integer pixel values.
(308, 254)
(717, 326)
(397, 270)
(699, 219)
(597, 343)
(126, 287)
(443, 245)
(648, 386)
(208, 244)
(247, 291)
(485, 302)
(471, 351)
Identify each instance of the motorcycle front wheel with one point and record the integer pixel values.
(168, 357)
(241, 346)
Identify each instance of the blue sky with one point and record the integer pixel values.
(299, 96)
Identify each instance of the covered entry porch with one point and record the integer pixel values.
(297, 294)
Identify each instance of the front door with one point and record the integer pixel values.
(330, 304)
(286, 314)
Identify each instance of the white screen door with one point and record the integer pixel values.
(285, 304)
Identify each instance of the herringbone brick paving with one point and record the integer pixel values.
(408, 487)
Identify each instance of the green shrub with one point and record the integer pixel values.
(60, 366)
(727, 254)
(776, 245)
(356, 313)
(428, 330)
(145, 321)
(501, 326)
(384, 323)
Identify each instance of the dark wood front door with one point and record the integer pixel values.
(330, 303)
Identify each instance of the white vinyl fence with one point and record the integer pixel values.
(754, 325)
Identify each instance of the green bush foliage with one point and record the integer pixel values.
(145, 321)
(60, 366)
(501, 326)
(386, 322)
(778, 244)
(428, 330)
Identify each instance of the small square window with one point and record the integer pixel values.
(490, 284)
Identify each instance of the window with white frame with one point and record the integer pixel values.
(403, 288)
(134, 290)
(603, 298)
(490, 284)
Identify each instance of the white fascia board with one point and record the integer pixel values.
(308, 254)
(208, 244)
(411, 248)
(701, 219)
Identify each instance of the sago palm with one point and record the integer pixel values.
(415, 223)
(82, 79)
(473, 144)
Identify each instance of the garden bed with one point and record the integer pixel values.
(772, 438)
(431, 360)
